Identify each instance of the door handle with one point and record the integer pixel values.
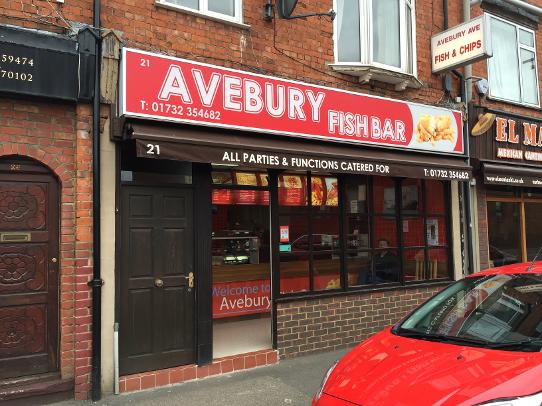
(158, 282)
(190, 279)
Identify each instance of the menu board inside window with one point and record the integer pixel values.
(292, 190)
(245, 196)
(248, 196)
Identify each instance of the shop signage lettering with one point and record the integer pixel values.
(461, 45)
(303, 163)
(166, 88)
(507, 132)
(36, 64)
(239, 298)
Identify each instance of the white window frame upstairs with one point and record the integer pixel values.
(521, 46)
(205, 12)
(366, 31)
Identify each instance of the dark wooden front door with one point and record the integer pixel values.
(28, 274)
(156, 303)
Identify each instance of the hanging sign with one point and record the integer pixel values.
(461, 45)
(165, 88)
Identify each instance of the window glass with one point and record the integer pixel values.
(533, 225)
(411, 196)
(386, 32)
(385, 230)
(410, 43)
(348, 31)
(310, 232)
(293, 190)
(356, 194)
(222, 177)
(325, 232)
(513, 69)
(241, 278)
(438, 263)
(358, 228)
(503, 66)
(436, 231)
(294, 272)
(526, 38)
(327, 266)
(359, 268)
(528, 76)
(185, 3)
(501, 309)
(371, 32)
(294, 233)
(414, 264)
(226, 7)
(434, 191)
(387, 264)
(383, 195)
(413, 235)
(504, 233)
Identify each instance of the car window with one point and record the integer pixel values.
(496, 309)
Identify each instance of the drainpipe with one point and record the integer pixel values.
(96, 282)
(466, 95)
(467, 98)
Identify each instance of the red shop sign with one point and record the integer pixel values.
(166, 88)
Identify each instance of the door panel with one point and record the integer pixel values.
(28, 274)
(157, 306)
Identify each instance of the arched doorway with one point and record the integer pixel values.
(29, 268)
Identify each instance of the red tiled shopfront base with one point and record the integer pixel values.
(163, 377)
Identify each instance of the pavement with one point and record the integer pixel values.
(290, 382)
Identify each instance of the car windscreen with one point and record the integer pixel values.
(495, 311)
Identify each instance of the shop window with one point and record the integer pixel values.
(374, 230)
(513, 72)
(241, 273)
(309, 247)
(504, 231)
(533, 225)
(378, 34)
(403, 234)
(223, 9)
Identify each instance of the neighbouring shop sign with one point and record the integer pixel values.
(509, 138)
(38, 65)
(461, 45)
(165, 88)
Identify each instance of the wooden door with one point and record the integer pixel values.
(29, 209)
(156, 303)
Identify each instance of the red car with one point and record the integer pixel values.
(478, 342)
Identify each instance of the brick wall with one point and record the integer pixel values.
(59, 136)
(326, 324)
